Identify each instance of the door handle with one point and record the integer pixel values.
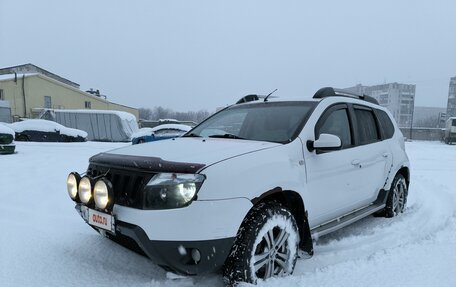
(356, 162)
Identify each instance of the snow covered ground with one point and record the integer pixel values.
(44, 242)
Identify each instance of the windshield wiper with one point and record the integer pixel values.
(227, 136)
(192, 135)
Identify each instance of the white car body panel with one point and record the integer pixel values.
(260, 171)
(194, 222)
(194, 150)
(357, 184)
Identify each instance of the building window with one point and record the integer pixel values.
(88, 105)
(2, 96)
(47, 102)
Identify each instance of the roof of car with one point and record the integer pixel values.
(321, 94)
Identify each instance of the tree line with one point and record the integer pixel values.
(157, 113)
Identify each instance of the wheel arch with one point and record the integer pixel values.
(293, 201)
(21, 136)
(405, 172)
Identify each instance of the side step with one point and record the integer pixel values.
(345, 220)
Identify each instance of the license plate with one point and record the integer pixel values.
(100, 219)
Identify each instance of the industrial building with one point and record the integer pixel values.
(451, 106)
(396, 97)
(29, 89)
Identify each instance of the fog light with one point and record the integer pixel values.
(72, 185)
(103, 194)
(85, 190)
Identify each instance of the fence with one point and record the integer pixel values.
(425, 134)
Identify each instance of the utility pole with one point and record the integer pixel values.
(411, 122)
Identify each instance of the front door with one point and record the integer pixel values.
(332, 176)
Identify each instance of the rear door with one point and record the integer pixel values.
(373, 155)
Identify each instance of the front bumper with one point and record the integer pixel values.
(7, 148)
(169, 237)
(175, 256)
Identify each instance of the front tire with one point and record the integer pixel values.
(397, 198)
(266, 245)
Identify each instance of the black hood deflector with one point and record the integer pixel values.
(144, 164)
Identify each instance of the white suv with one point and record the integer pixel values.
(249, 187)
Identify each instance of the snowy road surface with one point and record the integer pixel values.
(44, 242)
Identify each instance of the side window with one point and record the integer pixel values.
(367, 131)
(337, 124)
(47, 102)
(386, 124)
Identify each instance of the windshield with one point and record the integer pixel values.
(274, 122)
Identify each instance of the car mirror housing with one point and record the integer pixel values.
(326, 142)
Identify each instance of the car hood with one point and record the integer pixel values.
(201, 151)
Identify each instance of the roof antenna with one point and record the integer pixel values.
(266, 99)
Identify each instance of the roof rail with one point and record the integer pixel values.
(331, 92)
(248, 98)
(254, 97)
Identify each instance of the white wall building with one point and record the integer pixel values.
(451, 106)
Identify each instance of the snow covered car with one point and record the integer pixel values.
(6, 140)
(161, 132)
(248, 199)
(46, 131)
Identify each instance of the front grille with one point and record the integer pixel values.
(127, 185)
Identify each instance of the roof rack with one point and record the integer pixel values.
(331, 92)
(248, 98)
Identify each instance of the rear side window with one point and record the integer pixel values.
(386, 124)
(367, 127)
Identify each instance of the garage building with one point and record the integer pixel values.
(29, 89)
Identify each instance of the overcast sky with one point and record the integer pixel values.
(190, 55)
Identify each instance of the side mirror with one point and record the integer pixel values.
(326, 142)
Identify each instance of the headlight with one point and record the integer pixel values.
(172, 190)
(103, 194)
(85, 190)
(72, 185)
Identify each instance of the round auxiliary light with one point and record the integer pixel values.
(85, 190)
(72, 185)
(103, 194)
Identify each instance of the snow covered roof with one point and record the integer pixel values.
(184, 128)
(168, 120)
(46, 126)
(142, 133)
(12, 76)
(27, 69)
(4, 129)
(123, 115)
(149, 131)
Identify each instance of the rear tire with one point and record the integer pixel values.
(266, 245)
(397, 197)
